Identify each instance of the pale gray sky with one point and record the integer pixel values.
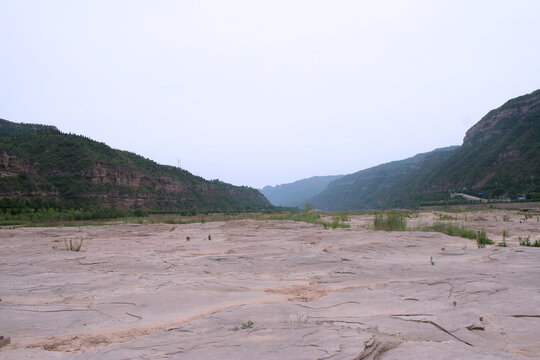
(266, 92)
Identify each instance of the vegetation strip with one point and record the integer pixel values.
(395, 221)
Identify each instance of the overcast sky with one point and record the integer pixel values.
(266, 92)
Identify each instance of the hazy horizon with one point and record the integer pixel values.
(266, 93)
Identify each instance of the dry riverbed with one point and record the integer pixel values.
(271, 290)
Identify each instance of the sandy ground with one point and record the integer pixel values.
(145, 292)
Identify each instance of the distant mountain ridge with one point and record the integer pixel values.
(38, 161)
(499, 159)
(298, 193)
(386, 185)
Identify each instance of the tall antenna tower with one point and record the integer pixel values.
(178, 162)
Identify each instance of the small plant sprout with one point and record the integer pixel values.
(454, 302)
(188, 238)
(302, 318)
(504, 236)
(209, 237)
(244, 326)
(74, 245)
(442, 249)
(248, 325)
(431, 260)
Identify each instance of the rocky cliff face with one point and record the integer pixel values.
(23, 172)
(13, 165)
(111, 174)
(40, 161)
(513, 110)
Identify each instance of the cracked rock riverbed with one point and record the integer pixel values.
(270, 290)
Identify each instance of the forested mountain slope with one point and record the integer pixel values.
(40, 162)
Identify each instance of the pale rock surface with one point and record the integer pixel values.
(144, 292)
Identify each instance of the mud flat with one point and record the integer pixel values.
(271, 290)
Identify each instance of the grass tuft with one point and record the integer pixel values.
(448, 228)
(244, 326)
(390, 222)
(504, 236)
(446, 217)
(312, 218)
(527, 242)
(74, 245)
(482, 240)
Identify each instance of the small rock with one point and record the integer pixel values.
(4, 341)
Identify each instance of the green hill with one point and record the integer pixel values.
(73, 171)
(382, 186)
(499, 159)
(500, 155)
(298, 193)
